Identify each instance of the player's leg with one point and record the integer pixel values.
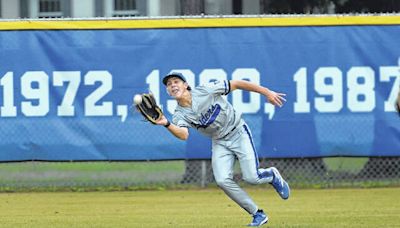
(248, 158)
(222, 163)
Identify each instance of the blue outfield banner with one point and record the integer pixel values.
(67, 94)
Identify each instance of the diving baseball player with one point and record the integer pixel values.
(205, 109)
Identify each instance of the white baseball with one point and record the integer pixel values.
(137, 99)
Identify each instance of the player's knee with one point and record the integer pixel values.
(223, 182)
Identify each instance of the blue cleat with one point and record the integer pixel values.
(280, 185)
(259, 218)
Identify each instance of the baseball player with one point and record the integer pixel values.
(205, 109)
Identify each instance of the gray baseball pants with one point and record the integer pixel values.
(224, 153)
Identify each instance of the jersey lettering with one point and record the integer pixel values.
(209, 117)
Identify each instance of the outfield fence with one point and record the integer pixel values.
(82, 176)
(71, 99)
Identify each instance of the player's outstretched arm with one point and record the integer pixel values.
(272, 96)
(179, 132)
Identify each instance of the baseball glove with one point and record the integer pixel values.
(149, 108)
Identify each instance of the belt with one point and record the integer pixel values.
(229, 132)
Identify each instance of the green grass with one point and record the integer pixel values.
(34, 175)
(111, 176)
(377, 207)
(92, 166)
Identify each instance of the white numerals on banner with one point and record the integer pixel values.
(330, 92)
(301, 104)
(8, 109)
(35, 87)
(388, 73)
(328, 83)
(35, 91)
(73, 79)
(91, 106)
(361, 93)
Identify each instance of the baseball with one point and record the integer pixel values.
(137, 99)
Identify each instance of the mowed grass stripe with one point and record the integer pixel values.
(376, 207)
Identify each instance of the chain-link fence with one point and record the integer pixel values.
(316, 172)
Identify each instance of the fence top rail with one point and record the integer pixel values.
(200, 21)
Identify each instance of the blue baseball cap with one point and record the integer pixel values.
(176, 75)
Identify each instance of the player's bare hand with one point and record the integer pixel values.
(276, 98)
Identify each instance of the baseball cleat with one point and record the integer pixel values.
(259, 218)
(280, 185)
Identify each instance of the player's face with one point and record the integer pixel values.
(176, 87)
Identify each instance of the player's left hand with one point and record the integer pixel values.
(276, 98)
(162, 121)
(147, 106)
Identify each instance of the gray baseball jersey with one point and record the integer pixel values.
(214, 116)
(210, 114)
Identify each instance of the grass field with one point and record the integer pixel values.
(375, 207)
(51, 176)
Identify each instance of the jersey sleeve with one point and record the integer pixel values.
(222, 87)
